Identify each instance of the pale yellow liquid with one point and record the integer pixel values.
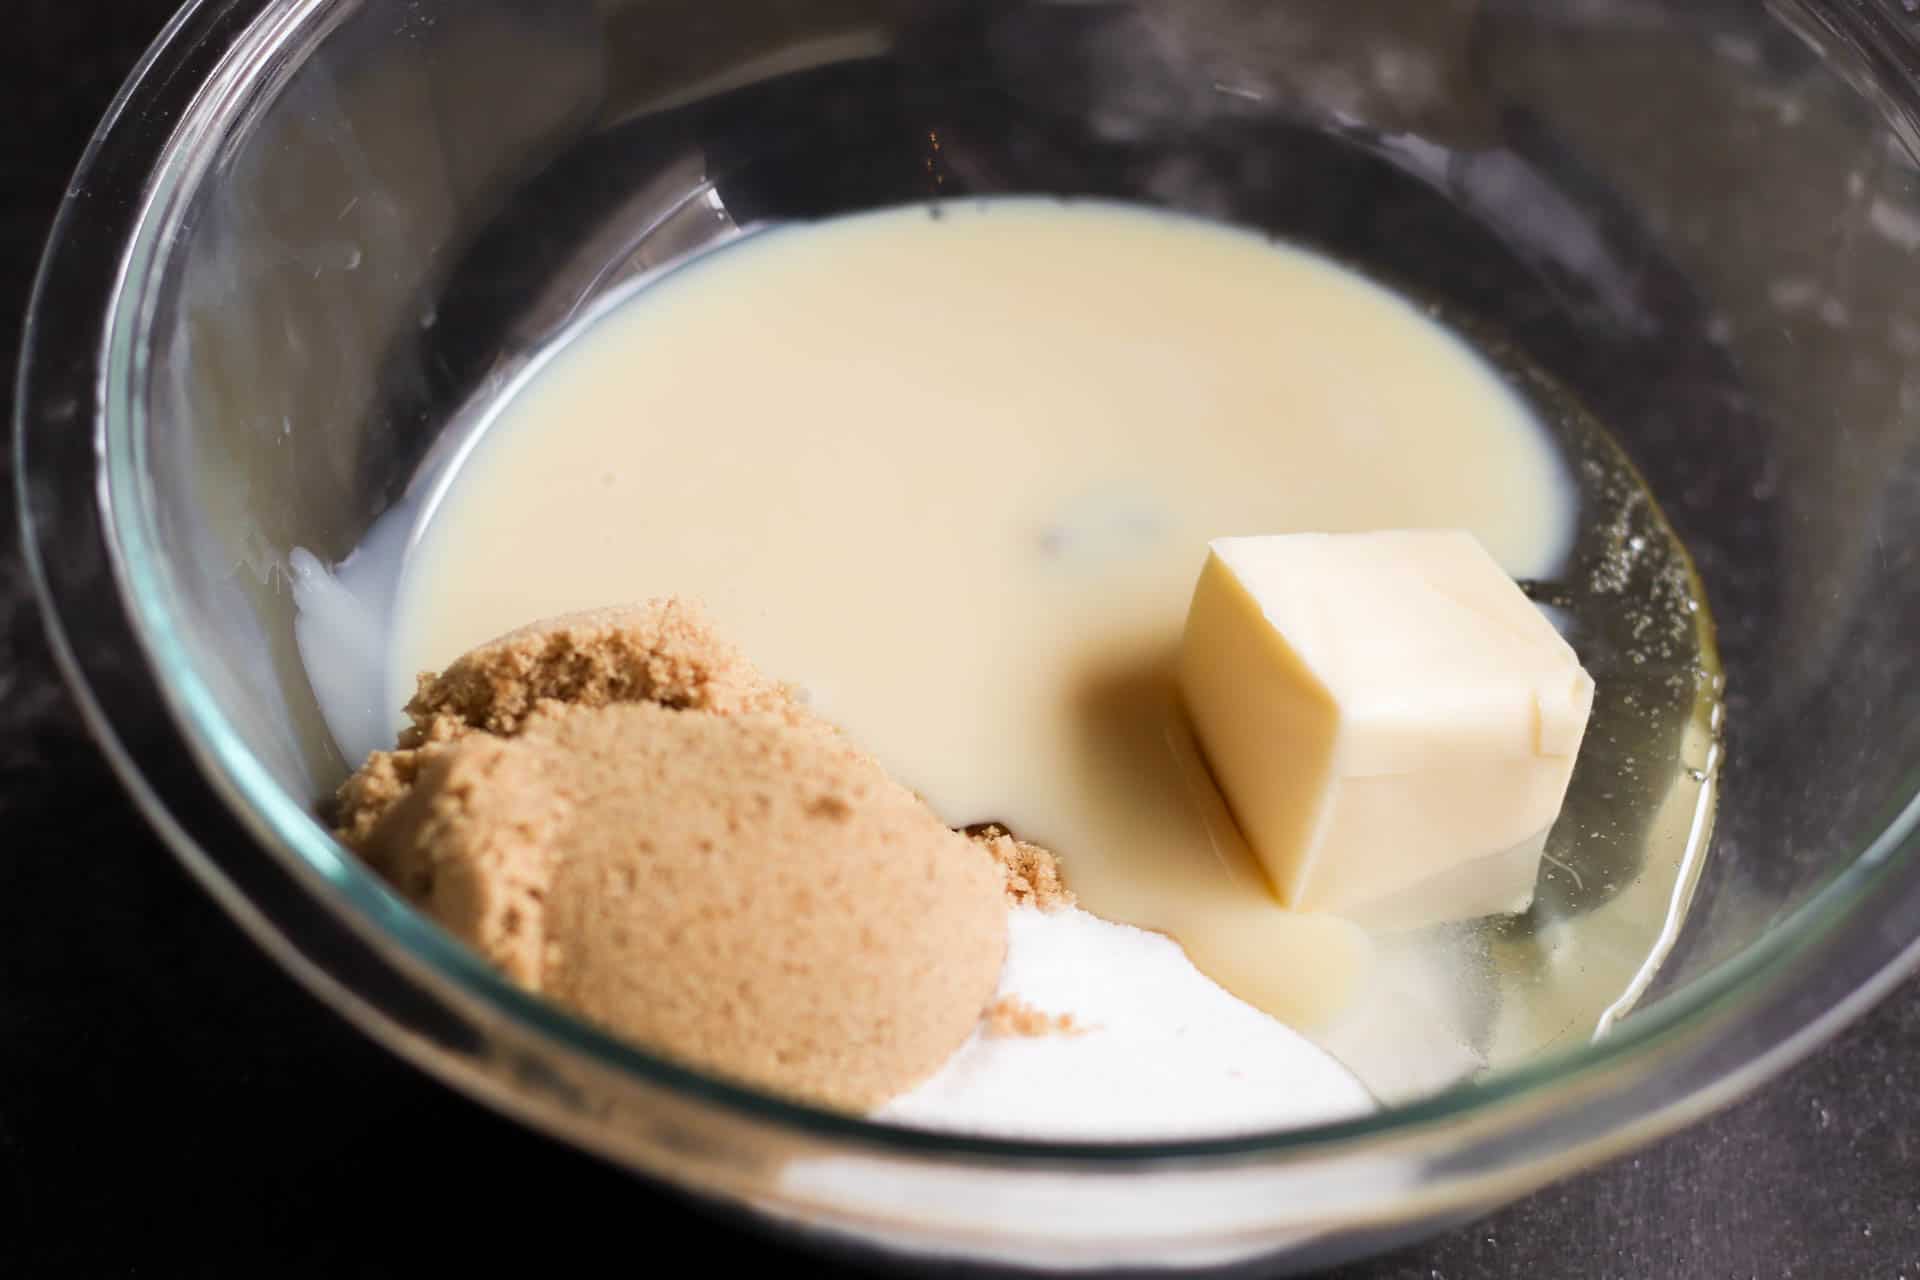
(955, 477)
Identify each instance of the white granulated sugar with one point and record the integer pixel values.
(1165, 1052)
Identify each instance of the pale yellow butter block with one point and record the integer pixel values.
(1392, 722)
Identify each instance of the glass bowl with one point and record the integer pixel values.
(310, 234)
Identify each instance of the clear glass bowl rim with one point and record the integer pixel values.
(1745, 988)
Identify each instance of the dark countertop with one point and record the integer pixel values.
(171, 1103)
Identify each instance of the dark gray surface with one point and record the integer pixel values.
(171, 1104)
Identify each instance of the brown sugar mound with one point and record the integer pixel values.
(730, 883)
(733, 891)
(1012, 1016)
(663, 651)
(1031, 874)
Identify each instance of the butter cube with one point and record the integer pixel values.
(1392, 723)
